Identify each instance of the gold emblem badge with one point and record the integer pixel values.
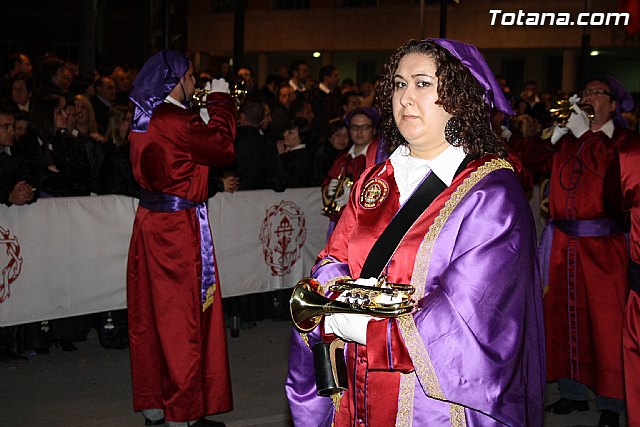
(374, 193)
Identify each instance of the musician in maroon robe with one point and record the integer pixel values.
(628, 177)
(363, 125)
(179, 361)
(588, 284)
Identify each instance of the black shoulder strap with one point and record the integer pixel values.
(388, 241)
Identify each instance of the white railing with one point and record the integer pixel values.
(67, 256)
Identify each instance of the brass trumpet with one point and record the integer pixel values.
(330, 205)
(561, 111)
(307, 306)
(239, 93)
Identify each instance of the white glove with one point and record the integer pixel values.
(349, 327)
(558, 132)
(575, 99)
(331, 188)
(505, 133)
(204, 114)
(344, 197)
(578, 123)
(217, 85)
(370, 282)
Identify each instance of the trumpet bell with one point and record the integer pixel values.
(239, 92)
(303, 305)
(561, 110)
(199, 99)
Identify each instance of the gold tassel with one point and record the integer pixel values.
(336, 400)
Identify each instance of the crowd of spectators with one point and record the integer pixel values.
(66, 134)
(63, 133)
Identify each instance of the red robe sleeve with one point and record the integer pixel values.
(212, 143)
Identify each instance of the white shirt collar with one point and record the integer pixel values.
(352, 151)
(409, 171)
(298, 147)
(6, 150)
(447, 163)
(607, 128)
(171, 100)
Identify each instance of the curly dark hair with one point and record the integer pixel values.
(459, 93)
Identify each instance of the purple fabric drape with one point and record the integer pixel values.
(544, 253)
(471, 58)
(483, 300)
(307, 408)
(329, 268)
(588, 227)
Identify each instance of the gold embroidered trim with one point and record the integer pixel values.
(325, 262)
(404, 418)
(305, 338)
(211, 291)
(457, 416)
(418, 351)
(420, 357)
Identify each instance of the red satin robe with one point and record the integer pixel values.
(588, 283)
(629, 154)
(179, 360)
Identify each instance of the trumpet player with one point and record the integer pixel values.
(179, 361)
(586, 293)
(446, 214)
(362, 124)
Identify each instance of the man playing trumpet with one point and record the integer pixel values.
(587, 254)
(179, 361)
(347, 168)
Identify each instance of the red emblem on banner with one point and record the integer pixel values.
(283, 234)
(10, 261)
(374, 193)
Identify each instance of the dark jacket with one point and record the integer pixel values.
(257, 162)
(12, 171)
(300, 168)
(116, 174)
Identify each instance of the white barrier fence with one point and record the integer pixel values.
(67, 256)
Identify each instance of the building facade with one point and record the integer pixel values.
(521, 39)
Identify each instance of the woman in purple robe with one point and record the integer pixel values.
(447, 215)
